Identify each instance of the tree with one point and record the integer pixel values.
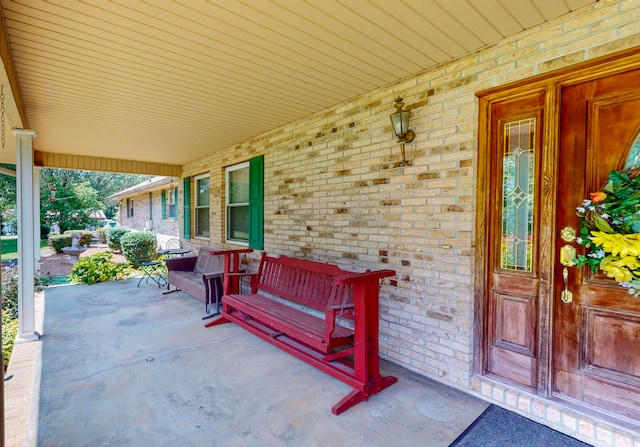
(78, 193)
(71, 207)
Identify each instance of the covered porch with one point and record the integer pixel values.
(201, 92)
(124, 365)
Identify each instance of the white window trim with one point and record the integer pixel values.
(196, 207)
(227, 170)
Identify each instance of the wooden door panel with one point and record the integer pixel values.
(514, 282)
(612, 345)
(515, 323)
(596, 358)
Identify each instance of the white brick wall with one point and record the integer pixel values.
(335, 191)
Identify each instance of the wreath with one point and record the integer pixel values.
(610, 230)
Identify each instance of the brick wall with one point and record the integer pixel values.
(336, 190)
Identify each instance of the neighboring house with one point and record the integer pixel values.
(151, 206)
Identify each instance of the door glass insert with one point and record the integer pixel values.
(518, 186)
(633, 159)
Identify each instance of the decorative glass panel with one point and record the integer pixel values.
(633, 160)
(518, 186)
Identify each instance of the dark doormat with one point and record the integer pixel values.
(499, 427)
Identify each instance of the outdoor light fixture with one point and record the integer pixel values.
(400, 120)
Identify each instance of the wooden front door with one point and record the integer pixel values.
(596, 345)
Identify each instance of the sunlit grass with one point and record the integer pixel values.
(9, 247)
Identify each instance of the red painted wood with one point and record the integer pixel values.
(327, 290)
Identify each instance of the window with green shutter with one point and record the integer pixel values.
(244, 203)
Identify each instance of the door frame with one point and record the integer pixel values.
(552, 83)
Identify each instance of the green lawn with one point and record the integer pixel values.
(9, 247)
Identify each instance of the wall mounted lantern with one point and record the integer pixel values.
(400, 120)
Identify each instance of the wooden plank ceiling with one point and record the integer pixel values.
(172, 80)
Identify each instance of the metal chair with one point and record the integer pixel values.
(173, 243)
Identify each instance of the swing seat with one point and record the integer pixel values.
(278, 319)
(317, 312)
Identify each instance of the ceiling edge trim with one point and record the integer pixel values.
(86, 163)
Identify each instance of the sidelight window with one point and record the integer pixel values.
(518, 185)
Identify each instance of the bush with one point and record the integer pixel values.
(97, 268)
(9, 310)
(85, 238)
(9, 332)
(102, 235)
(113, 237)
(58, 241)
(10, 307)
(139, 247)
(10, 290)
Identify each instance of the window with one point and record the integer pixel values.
(237, 198)
(244, 203)
(201, 192)
(172, 203)
(129, 206)
(169, 203)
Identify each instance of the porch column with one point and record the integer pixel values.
(28, 232)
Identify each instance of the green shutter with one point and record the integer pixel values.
(163, 198)
(256, 202)
(186, 233)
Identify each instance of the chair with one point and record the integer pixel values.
(173, 243)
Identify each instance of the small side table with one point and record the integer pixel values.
(174, 251)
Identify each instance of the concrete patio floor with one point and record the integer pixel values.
(119, 365)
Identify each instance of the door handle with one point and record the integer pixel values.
(567, 257)
(566, 295)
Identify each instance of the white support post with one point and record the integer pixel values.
(28, 237)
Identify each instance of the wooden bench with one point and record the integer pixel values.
(299, 305)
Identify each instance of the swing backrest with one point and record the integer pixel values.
(302, 281)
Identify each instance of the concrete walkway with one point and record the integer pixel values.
(128, 366)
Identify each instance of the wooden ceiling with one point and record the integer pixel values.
(172, 80)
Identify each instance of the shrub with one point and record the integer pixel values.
(85, 238)
(9, 332)
(44, 231)
(102, 235)
(10, 290)
(139, 247)
(97, 268)
(113, 237)
(9, 310)
(58, 241)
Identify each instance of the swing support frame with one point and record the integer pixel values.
(298, 304)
